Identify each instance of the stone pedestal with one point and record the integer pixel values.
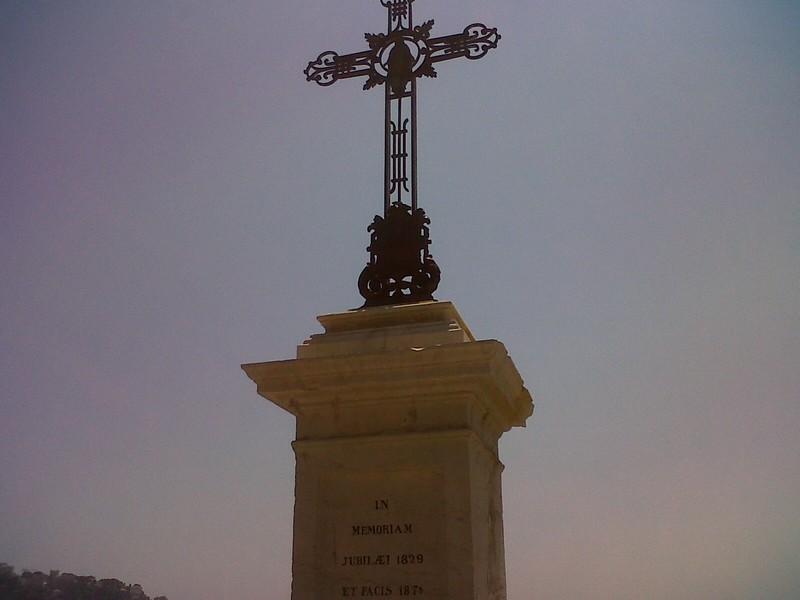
(397, 486)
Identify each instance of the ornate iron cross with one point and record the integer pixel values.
(401, 268)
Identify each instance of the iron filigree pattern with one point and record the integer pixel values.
(399, 12)
(473, 43)
(330, 67)
(396, 60)
(400, 267)
(399, 57)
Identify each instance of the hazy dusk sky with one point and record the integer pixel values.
(614, 194)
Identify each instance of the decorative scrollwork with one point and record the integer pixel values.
(399, 13)
(423, 32)
(400, 268)
(322, 70)
(479, 39)
(473, 43)
(399, 56)
(375, 40)
(330, 67)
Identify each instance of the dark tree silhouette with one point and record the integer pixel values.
(65, 586)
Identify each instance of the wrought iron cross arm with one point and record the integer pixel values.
(473, 43)
(329, 67)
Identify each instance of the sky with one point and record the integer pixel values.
(614, 194)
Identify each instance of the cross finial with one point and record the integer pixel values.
(401, 268)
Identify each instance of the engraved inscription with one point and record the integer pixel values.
(410, 590)
(383, 529)
(371, 560)
(387, 534)
(376, 591)
(366, 560)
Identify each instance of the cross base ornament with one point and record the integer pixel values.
(400, 268)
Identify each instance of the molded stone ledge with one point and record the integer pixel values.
(386, 328)
(394, 369)
(481, 369)
(387, 316)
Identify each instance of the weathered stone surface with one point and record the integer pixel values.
(397, 492)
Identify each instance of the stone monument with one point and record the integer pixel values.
(398, 408)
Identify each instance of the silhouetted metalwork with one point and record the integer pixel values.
(397, 59)
(400, 267)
